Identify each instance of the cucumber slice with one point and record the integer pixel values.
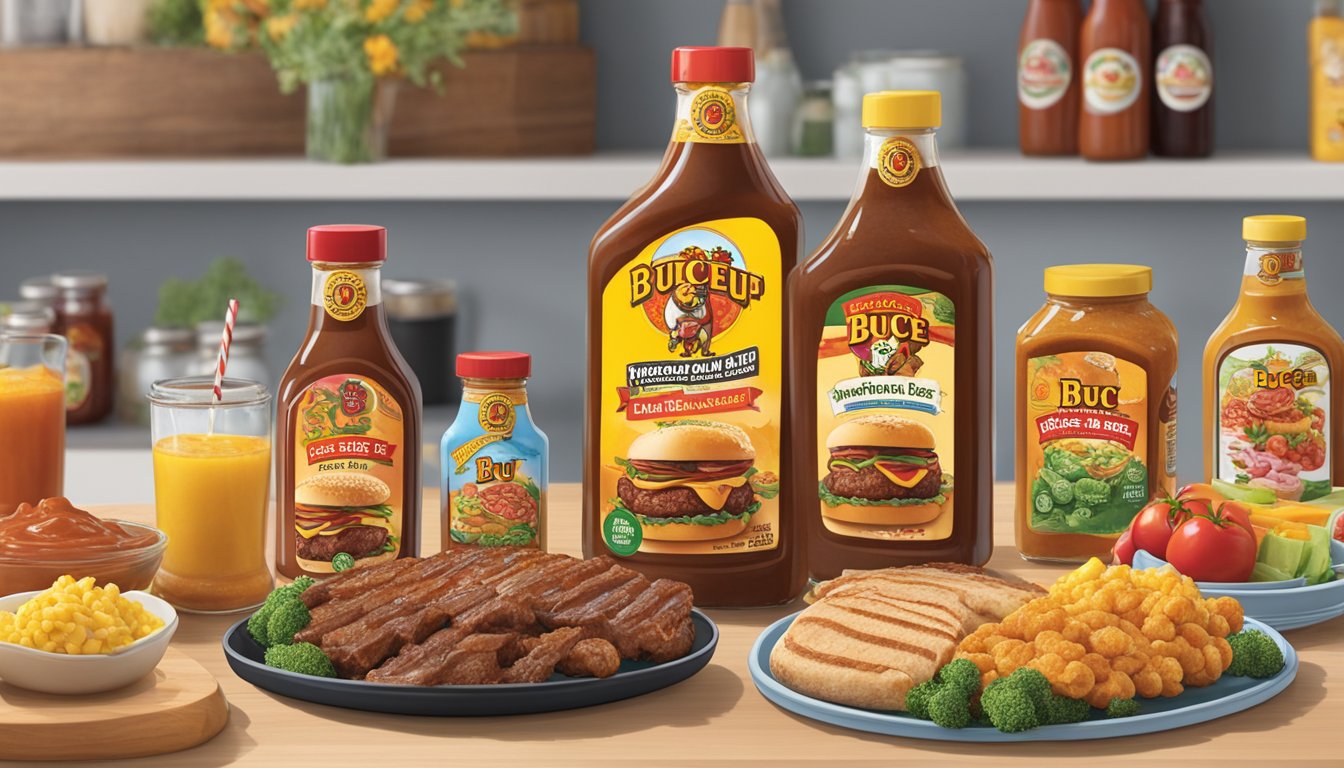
(1235, 492)
(1263, 572)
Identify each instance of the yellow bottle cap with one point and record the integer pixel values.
(1098, 280)
(1274, 229)
(902, 109)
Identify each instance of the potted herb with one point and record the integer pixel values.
(352, 54)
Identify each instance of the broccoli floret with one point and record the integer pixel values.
(303, 658)
(963, 674)
(917, 699)
(1122, 708)
(1010, 709)
(1061, 710)
(1091, 491)
(1254, 654)
(950, 707)
(285, 620)
(257, 624)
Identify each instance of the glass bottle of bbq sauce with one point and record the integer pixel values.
(687, 423)
(1273, 412)
(1182, 98)
(494, 460)
(347, 455)
(892, 331)
(1114, 47)
(1047, 78)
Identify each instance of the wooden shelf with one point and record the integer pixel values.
(1003, 176)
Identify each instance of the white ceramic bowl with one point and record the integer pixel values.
(64, 674)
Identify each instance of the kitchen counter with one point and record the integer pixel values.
(718, 716)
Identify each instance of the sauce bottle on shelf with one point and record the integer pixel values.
(1272, 408)
(1182, 100)
(1114, 48)
(1096, 411)
(347, 455)
(494, 460)
(1326, 54)
(892, 384)
(84, 318)
(1047, 88)
(686, 420)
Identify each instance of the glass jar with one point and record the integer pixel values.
(40, 290)
(32, 418)
(1096, 411)
(159, 353)
(812, 125)
(212, 482)
(349, 119)
(422, 315)
(27, 317)
(85, 320)
(247, 353)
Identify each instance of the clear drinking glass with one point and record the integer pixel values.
(212, 481)
(32, 418)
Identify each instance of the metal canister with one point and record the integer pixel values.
(422, 315)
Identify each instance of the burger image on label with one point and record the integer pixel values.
(693, 481)
(883, 470)
(343, 512)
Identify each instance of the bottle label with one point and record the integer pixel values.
(344, 295)
(1112, 81)
(1044, 72)
(494, 472)
(1273, 267)
(711, 118)
(691, 380)
(85, 351)
(349, 445)
(1274, 419)
(1184, 77)
(898, 162)
(1088, 455)
(885, 414)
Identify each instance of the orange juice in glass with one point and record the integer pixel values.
(32, 418)
(212, 479)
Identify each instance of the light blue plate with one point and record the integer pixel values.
(1283, 605)
(1195, 705)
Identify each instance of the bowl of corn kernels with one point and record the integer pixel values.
(78, 637)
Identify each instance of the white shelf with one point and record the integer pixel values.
(973, 175)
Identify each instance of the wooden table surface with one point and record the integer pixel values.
(718, 716)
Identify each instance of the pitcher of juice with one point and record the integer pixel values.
(32, 418)
(212, 482)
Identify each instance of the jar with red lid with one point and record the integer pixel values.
(495, 461)
(85, 320)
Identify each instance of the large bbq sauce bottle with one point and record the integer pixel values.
(891, 332)
(347, 454)
(687, 423)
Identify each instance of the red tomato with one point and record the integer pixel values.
(1277, 445)
(1238, 513)
(1213, 548)
(1152, 527)
(1123, 551)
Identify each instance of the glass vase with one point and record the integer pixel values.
(349, 119)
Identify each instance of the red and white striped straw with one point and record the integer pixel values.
(230, 318)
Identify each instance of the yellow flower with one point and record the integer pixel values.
(378, 10)
(279, 26)
(417, 10)
(219, 29)
(309, 5)
(382, 55)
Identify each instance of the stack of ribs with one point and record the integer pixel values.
(494, 615)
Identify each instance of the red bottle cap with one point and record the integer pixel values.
(712, 64)
(347, 243)
(494, 365)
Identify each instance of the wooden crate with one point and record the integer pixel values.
(138, 103)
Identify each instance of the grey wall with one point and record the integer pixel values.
(521, 266)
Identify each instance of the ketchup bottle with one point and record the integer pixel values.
(1047, 82)
(1182, 80)
(1115, 49)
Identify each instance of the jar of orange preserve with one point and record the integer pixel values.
(1096, 411)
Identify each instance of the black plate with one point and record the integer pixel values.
(634, 679)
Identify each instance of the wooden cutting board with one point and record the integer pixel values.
(177, 707)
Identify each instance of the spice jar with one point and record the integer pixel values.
(85, 320)
(160, 353)
(422, 315)
(495, 461)
(247, 353)
(1096, 411)
(40, 290)
(812, 125)
(27, 317)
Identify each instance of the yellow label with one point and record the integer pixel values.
(711, 119)
(344, 295)
(496, 414)
(692, 329)
(349, 445)
(898, 162)
(886, 414)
